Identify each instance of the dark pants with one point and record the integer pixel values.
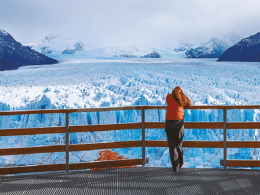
(175, 131)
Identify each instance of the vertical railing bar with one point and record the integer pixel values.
(143, 136)
(67, 143)
(225, 137)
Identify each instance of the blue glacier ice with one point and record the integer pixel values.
(110, 82)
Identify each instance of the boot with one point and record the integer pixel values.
(181, 165)
(175, 169)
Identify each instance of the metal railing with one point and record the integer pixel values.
(124, 144)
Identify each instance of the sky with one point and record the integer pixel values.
(107, 23)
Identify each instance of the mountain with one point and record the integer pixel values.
(54, 44)
(212, 49)
(13, 54)
(76, 47)
(246, 50)
(154, 54)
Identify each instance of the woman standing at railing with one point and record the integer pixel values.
(174, 125)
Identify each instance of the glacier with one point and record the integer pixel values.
(79, 82)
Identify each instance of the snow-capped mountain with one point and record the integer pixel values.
(54, 44)
(246, 50)
(76, 47)
(212, 49)
(13, 54)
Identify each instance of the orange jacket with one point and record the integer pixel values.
(174, 110)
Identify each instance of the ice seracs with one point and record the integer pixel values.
(125, 56)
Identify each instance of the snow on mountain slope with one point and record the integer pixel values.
(54, 44)
(3, 32)
(96, 83)
(78, 46)
(212, 49)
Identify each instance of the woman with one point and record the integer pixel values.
(174, 125)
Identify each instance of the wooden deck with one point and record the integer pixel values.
(137, 180)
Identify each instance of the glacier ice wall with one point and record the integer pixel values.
(106, 83)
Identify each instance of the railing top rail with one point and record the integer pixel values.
(45, 111)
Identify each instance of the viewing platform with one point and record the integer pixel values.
(73, 178)
(136, 181)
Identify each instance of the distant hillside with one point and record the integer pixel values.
(246, 50)
(13, 54)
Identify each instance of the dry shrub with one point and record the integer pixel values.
(109, 155)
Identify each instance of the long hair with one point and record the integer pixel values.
(181, 98)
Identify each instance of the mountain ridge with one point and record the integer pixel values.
(246, 50)
(13, 54)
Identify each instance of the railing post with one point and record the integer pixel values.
(67, 143)
(143, 136)
(225, 137)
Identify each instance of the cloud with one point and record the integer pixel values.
(130, 22)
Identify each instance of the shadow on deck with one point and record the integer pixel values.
(137, 180)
